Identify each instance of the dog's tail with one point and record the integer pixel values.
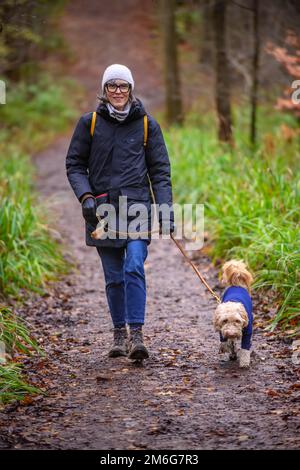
(235, 273)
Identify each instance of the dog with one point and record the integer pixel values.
(233, 318)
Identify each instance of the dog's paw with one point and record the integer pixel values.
(232, 350)
(233, 356)
(244, 358)
(224, 348)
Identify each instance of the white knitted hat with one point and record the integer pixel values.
(117, 71)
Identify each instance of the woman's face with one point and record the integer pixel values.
(117, 92)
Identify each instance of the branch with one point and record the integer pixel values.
(242, 6)
(242, 70)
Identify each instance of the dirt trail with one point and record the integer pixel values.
(115, 31)
(184, 397)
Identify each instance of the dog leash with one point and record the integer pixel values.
(217, 298)
(196, 270)
(181, 250)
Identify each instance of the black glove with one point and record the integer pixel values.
(166, 227)
(89, 208)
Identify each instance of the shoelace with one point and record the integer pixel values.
(119, 336)
(136, 335)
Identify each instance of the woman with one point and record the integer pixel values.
(117, 160)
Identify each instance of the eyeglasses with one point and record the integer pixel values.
(112, 87)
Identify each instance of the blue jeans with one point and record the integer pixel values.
(125, 281)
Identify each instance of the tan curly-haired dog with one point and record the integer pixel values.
(233, 318)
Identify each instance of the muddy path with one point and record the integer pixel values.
(184, 397)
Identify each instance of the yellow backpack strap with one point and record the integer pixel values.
(145, 143)
(93, 123)
(145, 129)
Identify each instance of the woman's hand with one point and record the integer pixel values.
(89, 208)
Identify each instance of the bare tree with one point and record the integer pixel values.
(25, 28)
(255, 68)
(206, 36)
(173, 94)
(222, 73)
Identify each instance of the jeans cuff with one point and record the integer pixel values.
(119, 325)
(135, 325)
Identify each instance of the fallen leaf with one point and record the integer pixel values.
(186, 379)
(277, 412)
(103, 378)
(295, 386)
(272, 393)
(27, 400)
(243, 437)
(169, 393)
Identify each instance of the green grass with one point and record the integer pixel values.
(251, 199)
(36, 113)
(14, 339)
(30, 256)
(13, 386)
(14, 333)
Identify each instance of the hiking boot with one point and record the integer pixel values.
(137, 349)
(120, 346)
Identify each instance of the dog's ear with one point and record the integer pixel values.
(225, 279)
(243, 315)
(245, 277)
(235, 272)
(217, 318)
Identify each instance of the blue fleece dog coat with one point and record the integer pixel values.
(241, 295)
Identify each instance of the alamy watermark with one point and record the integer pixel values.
(138, 220)
(296, 94)
(296, 352)
(2, 92)
(2, 352)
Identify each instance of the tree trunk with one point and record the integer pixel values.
(206, 48)
(173, 96)
(255, 71)
(222, 73)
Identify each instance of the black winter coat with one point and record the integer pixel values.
(115, 161)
